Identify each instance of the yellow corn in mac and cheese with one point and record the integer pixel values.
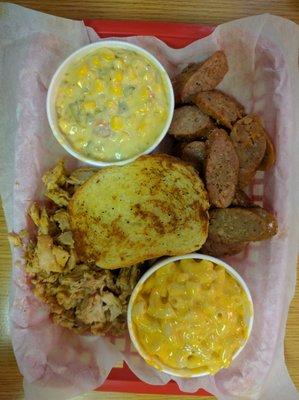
(191, 315)
(112, 104)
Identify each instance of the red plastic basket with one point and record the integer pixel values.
(175, 35)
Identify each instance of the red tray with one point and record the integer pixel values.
(177, 36)
(174, 34)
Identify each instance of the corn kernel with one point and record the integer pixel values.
(60, 99)
(144, 93)
(117, 90)
(116, 123)
(131, 75)
(68, 91)
(118, 64)
(142, 110)
(83, 71)
(108, 55)
(162, 113)
(157, 88)
(63, 125)
(142, 128)
(79, 144)
(96, 61)
(99, 85)
(118, 76)
(89, 105)
(111, 105)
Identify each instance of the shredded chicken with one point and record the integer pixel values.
(112, 306)
(84, 298)
(56, 177)
(41, 219)
(91, 310)
(15, 239)
(51, 258)
(34, 213)
(80, 175)
(62, 218)
(55, 181)
(66, 238)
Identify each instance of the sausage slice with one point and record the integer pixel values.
(218, 248)
(198, 77)
(220, 106)
(235, 225)
(189, 123)
(241, 199)
(249, 139)
(221, 168)
(269, 219)
(194, 153)
(270, 155)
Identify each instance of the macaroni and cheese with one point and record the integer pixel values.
(191, 315)
(112, 104)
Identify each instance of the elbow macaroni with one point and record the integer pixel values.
(191, 314)
(112, 104)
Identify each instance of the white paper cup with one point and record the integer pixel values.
(76, 56)
(162, 367)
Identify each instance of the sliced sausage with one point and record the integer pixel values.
(270, 155)
(241, 199)
(235, 225)
(221, 168)
(249, 139)
(270, 220)
(223, 108)
(194, 153)
(189, 123)
(217, 248)
(198, 77)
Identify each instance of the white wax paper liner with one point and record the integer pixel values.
(262, 53)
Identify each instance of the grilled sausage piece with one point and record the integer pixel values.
(189, 123)
(220, 106)
(221, 168)
(194, 153)
(217, 248)
(249, 139)
(269, 219)
(199, 77)
(236, 225)
(241, 199)
(270, 155)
